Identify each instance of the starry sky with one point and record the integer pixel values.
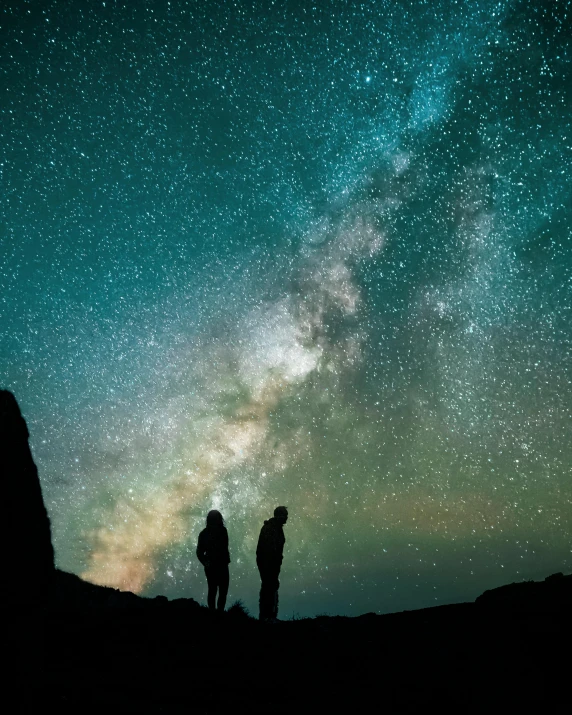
(311, 254)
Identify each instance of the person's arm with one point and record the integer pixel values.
(260, 544)
(226, 546)
(279, 545)
(201, 549)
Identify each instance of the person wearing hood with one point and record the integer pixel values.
(269, 554)
(212, 552)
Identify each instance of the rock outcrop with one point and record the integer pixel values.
(29, 553)
(554, 593)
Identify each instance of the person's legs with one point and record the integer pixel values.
(268, 592)
(275, 600)
(212, 582)
(223, 581)
(263, 598)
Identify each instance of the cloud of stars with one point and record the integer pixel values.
(315, 256)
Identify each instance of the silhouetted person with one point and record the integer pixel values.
(269, 560)
(212, 552)
(30, 549)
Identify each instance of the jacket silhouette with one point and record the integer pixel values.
(212, 552)
(269, 554)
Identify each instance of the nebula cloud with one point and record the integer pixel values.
(283, 343)
(319, 259)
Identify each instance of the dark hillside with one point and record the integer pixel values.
(105, 651)
(76, 647)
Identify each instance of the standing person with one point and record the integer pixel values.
(212, 552)
(269, 560)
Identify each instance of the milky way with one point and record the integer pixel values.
(258, 254)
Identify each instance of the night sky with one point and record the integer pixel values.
(311, 254)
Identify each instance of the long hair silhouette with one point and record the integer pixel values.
(214, 518)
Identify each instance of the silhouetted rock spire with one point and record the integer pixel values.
(30, 545)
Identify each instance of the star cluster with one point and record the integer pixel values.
(291, 253)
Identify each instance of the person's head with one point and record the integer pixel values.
(214, 518)
(281, 513)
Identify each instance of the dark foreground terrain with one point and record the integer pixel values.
(90, 649)
(72, 647)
